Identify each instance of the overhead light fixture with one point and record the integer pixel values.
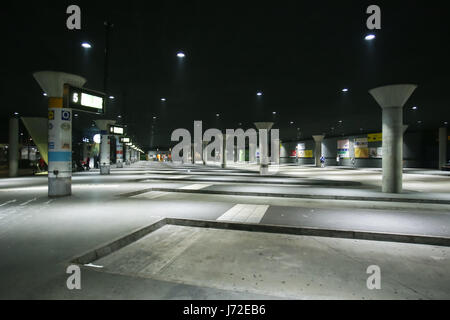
(259, 94)
(86, 45)
(97, 138)
(370, 37)
(181, 55)
(345, 90)
(163, 99)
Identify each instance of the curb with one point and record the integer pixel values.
(118, 243)
(297, 195)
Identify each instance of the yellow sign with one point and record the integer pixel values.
(362, 153)
(373, 137)
(51, 115)
(308, 153)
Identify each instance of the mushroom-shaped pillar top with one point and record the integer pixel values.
(393, 95)
(263, 125)
(52, 82)
(405, 127)
(103, 124)
(318, 138)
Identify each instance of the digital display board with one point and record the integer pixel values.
(115, 129)
(125, 140)
(84, 100)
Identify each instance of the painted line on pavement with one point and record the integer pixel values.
(250, 213)
(27, 202)
(196, 186)
(7, 202)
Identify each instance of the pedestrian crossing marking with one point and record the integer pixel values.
(249, 213)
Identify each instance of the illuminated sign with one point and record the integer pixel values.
(373, 137)
(114, 129)
(84, 100)
(124, 140)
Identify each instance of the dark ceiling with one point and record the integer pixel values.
(300, 54)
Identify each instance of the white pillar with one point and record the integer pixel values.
(318, 149)
(264, 129)
(224, 151)
(105, 158)
(119, 153)
(443, 142)
(13, 147)
(105, 146)
(85, 151)
(392, 99)
(59, 130)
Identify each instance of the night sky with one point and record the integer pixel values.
(300, 54)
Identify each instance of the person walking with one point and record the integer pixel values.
(322, 161)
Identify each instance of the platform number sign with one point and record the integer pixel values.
(84, 100)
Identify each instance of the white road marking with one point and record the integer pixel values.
(250, 213)
(179, 177)
(151, 195)
(196, 186)
(27, 202)
(93, 265)
(7, 202)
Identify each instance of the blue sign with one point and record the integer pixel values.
(65, 115)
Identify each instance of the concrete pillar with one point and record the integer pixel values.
(224, 151)
(204, 155)
(318, 149)
(105, 159)
(59, 130)
(13, 147)
(105, 146)
(443, 142)
(392, 99)
(275, 146)
(126, 153)
(119, 153)
(264, 129)
(85, 151)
